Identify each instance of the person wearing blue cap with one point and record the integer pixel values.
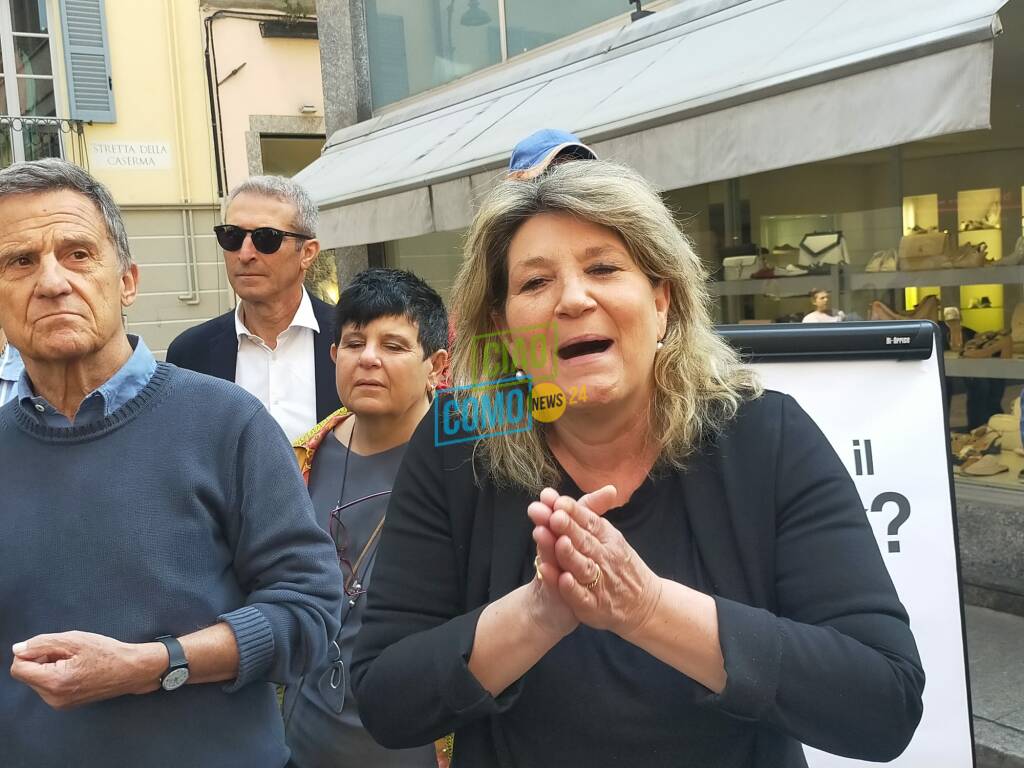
(532, 156)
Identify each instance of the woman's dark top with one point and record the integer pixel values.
(765, 518)
(593, 676)
(322, 725)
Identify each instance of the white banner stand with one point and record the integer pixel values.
(876, 391)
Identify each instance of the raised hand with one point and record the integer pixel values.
(551, 612)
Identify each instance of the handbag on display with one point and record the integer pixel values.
(823, 248)
(740, 262)
(925, 250)
(740, 267)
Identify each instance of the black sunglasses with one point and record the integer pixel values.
(264, 239)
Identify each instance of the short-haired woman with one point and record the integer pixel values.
(703, 589)
(390, 348)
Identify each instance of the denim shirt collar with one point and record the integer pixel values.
(130, 379)
(11, 369)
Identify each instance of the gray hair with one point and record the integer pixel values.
(287, 191)
(55, 175)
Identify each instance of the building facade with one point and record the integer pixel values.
(169, 121)
(889, 132)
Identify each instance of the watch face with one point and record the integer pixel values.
(174, 679)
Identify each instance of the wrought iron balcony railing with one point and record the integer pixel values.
(33, 138)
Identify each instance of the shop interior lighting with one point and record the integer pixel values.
(639, 13)
(475, 16)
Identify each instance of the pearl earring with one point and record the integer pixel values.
(661, 345)
(520, 374)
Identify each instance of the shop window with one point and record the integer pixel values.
(421, 45)
(418, 46)
(436, 258)
(532, 23)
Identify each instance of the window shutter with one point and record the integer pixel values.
(87, 60)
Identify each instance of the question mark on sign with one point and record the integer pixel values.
(902, 515)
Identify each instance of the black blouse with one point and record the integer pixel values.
(765, 518)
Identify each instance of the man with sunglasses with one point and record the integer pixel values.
(277, 342)
(160, 562)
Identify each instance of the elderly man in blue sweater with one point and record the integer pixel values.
(160, 565)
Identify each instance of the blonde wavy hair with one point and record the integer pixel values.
(698, 378)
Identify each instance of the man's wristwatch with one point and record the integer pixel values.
(177, 665)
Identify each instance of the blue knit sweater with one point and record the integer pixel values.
(182, 507)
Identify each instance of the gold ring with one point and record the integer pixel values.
(536, 567)
(596, 581)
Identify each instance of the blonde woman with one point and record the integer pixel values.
(676, 572)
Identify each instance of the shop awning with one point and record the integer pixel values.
(703, 91)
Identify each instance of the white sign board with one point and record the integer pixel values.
(130, 155)
(885, 420)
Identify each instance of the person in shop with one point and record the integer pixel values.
(677, 571)
(160, 565)
(823, 312)
(390, 352)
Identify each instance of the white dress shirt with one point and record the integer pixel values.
(283, 378)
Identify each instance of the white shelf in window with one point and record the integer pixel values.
(984, 368)
(865, 281)
(775, 286)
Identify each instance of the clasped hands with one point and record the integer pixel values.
(586, 570)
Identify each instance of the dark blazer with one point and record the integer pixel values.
(212, 348)
(817, 645)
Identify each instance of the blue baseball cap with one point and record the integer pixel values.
(532, 156)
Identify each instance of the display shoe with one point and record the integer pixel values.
(764, 273)
(1017, 323)
(969, 256)
(790, 270)
(1016, 256)
(1020, 476)
(973, 224)
(958, 441)
(986, 466)
(961, 464)
(882, 261)
(927, 309)
(989, 344)
(988, 442)
(966, 454)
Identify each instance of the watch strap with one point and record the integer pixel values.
(176, 658)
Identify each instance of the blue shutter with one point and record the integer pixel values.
(87, 60)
